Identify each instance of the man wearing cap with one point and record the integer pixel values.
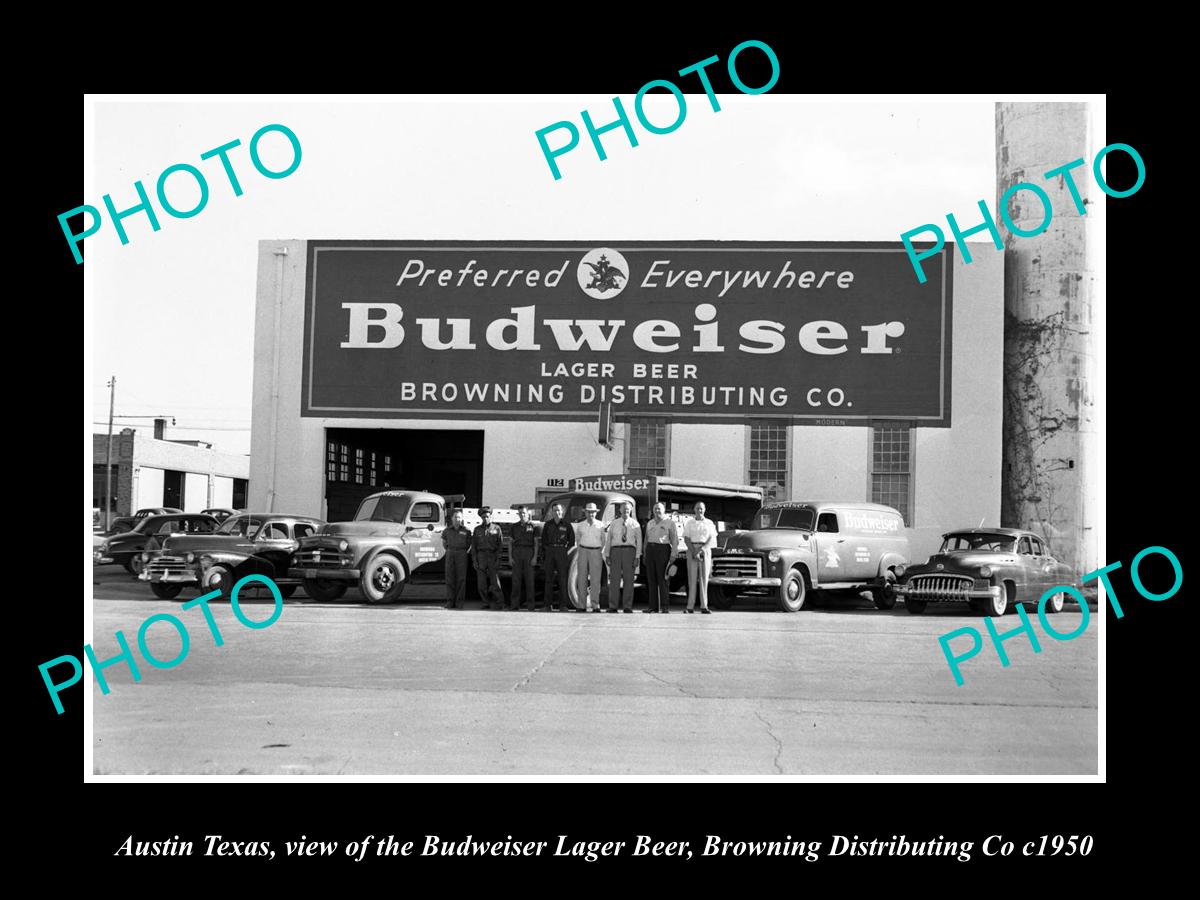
(622, 554)
(524, 548)
(700, 535)
(558, 537)
(662, 541)
(486, 542)
(589, 536)
(457, 541)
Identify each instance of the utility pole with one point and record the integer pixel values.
(112, 393)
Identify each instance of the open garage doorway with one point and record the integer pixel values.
(361, 461)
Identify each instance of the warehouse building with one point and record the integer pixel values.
(149, 471)
(502, 369)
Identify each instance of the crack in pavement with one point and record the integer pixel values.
(677, 687)
(524, 681)
(775, 738)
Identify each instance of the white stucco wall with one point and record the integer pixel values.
(148, 482)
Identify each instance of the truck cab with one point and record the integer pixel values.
(794, 548)
(394, 538)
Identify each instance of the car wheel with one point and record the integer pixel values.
(134, 564)
(217, 578)
(916, 607)
(165, 590)
(885, 595)
(1056, 602)
(721, 597)
(324, 588)
(383, 580)
(792, 592)
(997, 606)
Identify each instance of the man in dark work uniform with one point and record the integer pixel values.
(558, 537)
(457, 541)
(486, 542)
(524, 547)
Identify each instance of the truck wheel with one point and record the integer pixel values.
(383, 579)
(164, 590)
(324, 588)
(885, 594)
(1056, 602)
(792, 592)
(916, 607)
(721, 597)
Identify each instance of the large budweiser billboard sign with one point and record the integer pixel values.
(701, 331)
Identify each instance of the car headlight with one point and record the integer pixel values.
(191, 557)
(773, 556)
(985, 571)
(343, 546)
(900, 570)
(103, 548)
(145, 557)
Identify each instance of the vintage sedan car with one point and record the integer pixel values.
(990, 569)
(127, 549)
(122, 524)
(244, 544)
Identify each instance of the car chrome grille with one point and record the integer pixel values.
(737, 566)
(168, 565)
(320, 559)
(940, 587)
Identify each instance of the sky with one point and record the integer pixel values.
(172, 312)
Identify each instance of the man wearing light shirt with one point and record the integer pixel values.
(662, 539)
(700, 535)
(623, 553)
(589, 538)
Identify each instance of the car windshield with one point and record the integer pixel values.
(784, 517)
(383, 509)
(573, 505)
(1002, 543)
(241, 526)
(146, 525)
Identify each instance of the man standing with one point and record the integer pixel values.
(589, 535)
(457, 541)
(558, 537)
(662, 539)
(524, 547)
(486, 542)
(622, 553)
(700, 534)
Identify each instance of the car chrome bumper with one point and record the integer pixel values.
(939, 597)
(169, 577)
(326, 574)
(744, 582)
(98, 559)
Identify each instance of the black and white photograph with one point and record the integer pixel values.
(705, 432)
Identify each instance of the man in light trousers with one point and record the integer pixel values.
(700, 535)
(589, 538)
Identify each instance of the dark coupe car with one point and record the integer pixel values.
(990, 569)
(245, 544)
(148, 533)
(122, 524)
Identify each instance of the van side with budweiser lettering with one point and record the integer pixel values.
(795, 548)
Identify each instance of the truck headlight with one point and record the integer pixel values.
(343, 546)
(191, 557)
(773, 556)
(985, 571)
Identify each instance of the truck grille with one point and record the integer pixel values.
(737, 567)
(168, 565)
(320, 559)
(940, 587)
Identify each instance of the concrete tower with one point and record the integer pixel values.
(1049, 478)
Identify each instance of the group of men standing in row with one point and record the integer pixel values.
(620, 546)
